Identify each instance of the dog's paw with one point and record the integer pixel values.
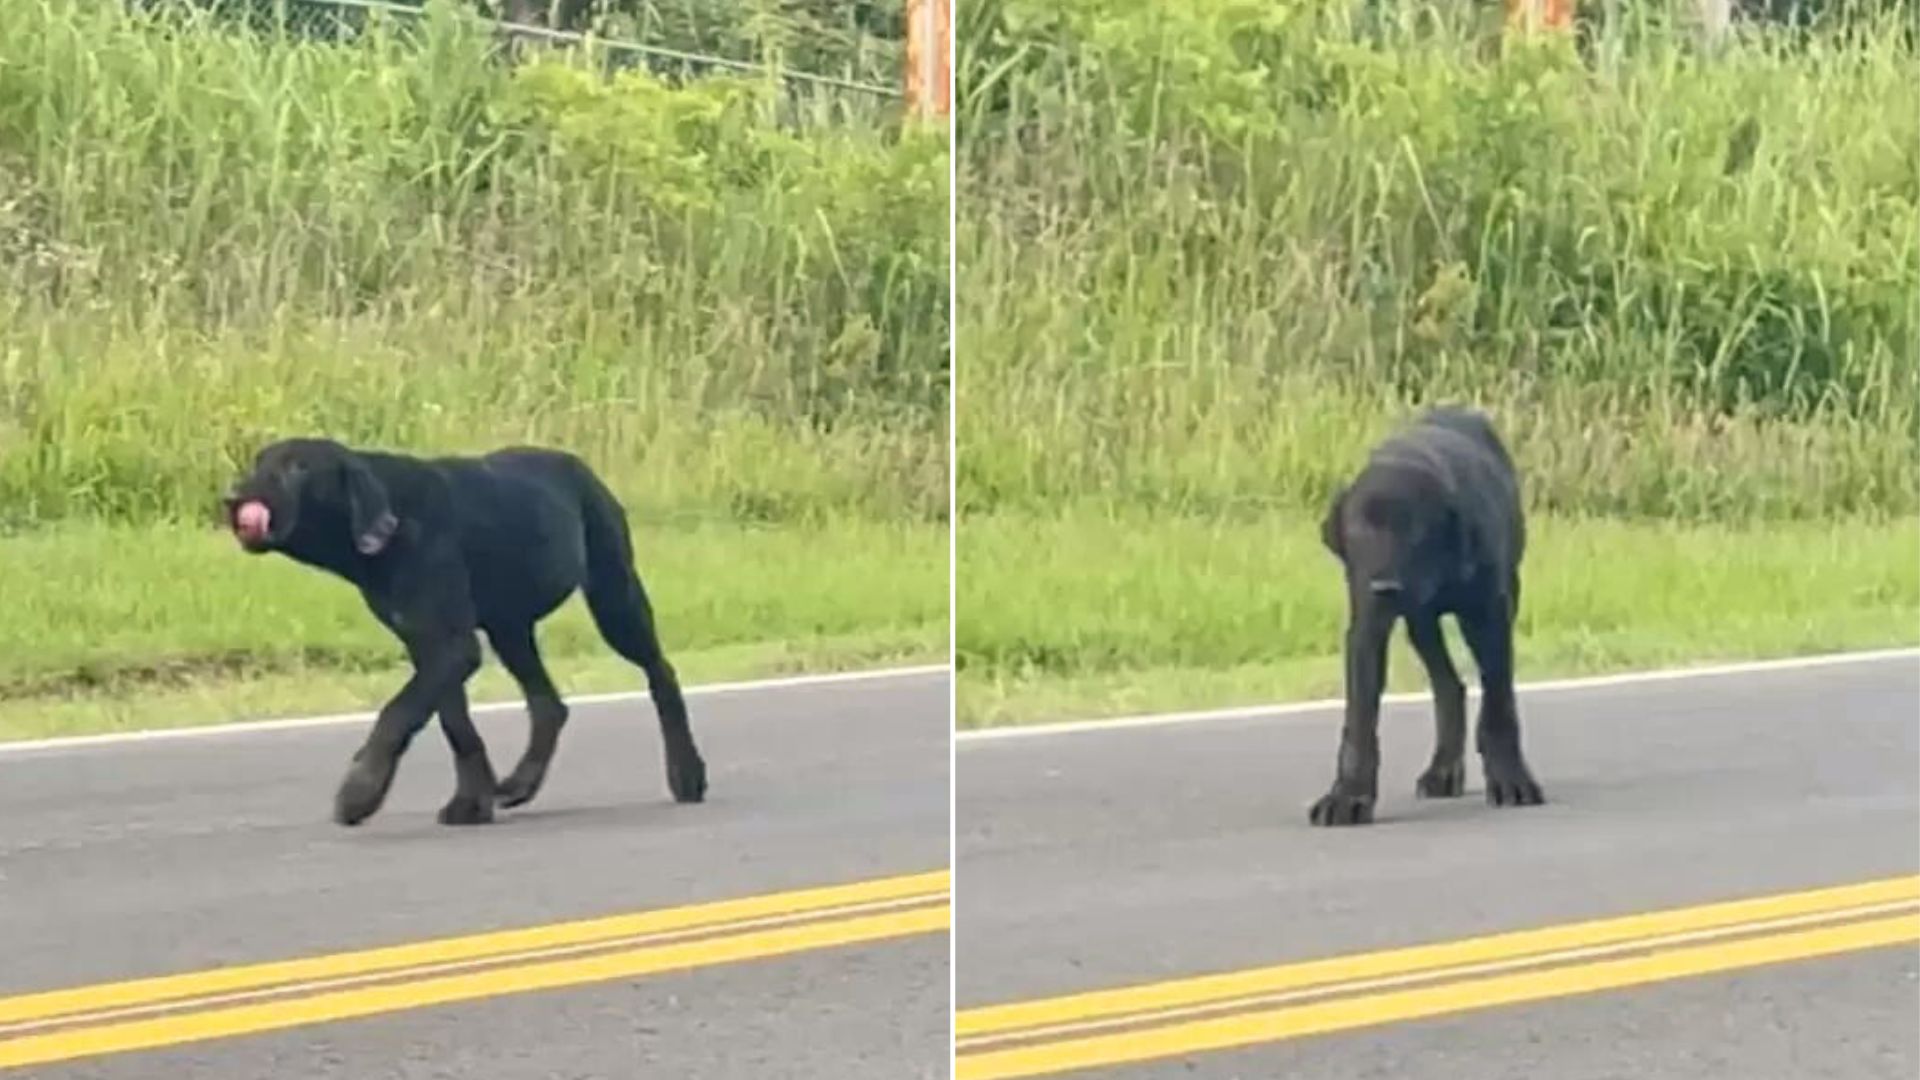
(1513, 787)
(521, 785)
(467, 810)
(363, 789)
(1522, 792)
(1338, 808)
(687, 778)
(1442, 781)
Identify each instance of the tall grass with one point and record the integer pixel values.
(732, 302)
(1210, 250)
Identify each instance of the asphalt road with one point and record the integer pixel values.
(138, 859)
(1095, 860)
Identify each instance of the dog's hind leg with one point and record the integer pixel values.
(1489, 632)
(546, 713)
(1445, 778)
(472, 802)
(625, 619)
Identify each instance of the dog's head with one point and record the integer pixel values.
(308, 487)
(1400, 534)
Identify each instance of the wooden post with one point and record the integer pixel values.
(929, 73)
(1540, 14)
(1715, 15)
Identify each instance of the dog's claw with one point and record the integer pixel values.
(687, 778)
(1520, 792)
(1441, 782)
(521, 785)
(1335, 808)
(1510, 784)
(363, 789)
(466, 810)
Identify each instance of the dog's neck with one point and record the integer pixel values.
(329, 546)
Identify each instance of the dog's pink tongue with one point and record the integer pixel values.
(252, 520)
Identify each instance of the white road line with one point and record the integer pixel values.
(295, 723)
(1122, 723)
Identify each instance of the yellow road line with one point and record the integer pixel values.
(1005, 1020)
(446, 989)
(311, 986)
(429, 954)
(1372, 1009)
(1428, 975)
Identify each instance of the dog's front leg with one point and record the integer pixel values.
(1357, 779)
(1489, 633)
(474, 782)
(1446, 776)
(440, 668)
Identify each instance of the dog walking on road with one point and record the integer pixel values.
(1432, 526)
(442, 548)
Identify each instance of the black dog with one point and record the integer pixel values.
(1432, 526)
(440, 548)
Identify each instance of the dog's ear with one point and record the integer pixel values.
(370, 514)
(1331, 531)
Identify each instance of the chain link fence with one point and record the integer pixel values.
(869, 59)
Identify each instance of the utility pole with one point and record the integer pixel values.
(1714, 17)
(1523, 15)
(929, 74)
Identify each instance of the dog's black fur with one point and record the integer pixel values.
(441, 548)
(1431, 526)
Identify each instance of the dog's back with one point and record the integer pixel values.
(520, 515)
(1470, 424)
(1460, 447)
(1457, 445)
(525, 482)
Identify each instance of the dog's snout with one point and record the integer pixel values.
(1384, 586)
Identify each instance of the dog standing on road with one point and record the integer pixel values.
(443, 548)
(1431, 526)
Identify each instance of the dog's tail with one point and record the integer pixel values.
(625, 617)
(615, 596)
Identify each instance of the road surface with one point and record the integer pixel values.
(1134, 859)
(794, 925)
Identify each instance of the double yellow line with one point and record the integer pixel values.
(145, 1013)
(1216, 1012)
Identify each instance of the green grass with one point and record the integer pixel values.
(729, 298)
(732, 303)
(1210, 252)
(1085, 614)
(139, 626)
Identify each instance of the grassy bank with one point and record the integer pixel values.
(1084, 613)
(1209, 252)
(729, 297)
(140, 626)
